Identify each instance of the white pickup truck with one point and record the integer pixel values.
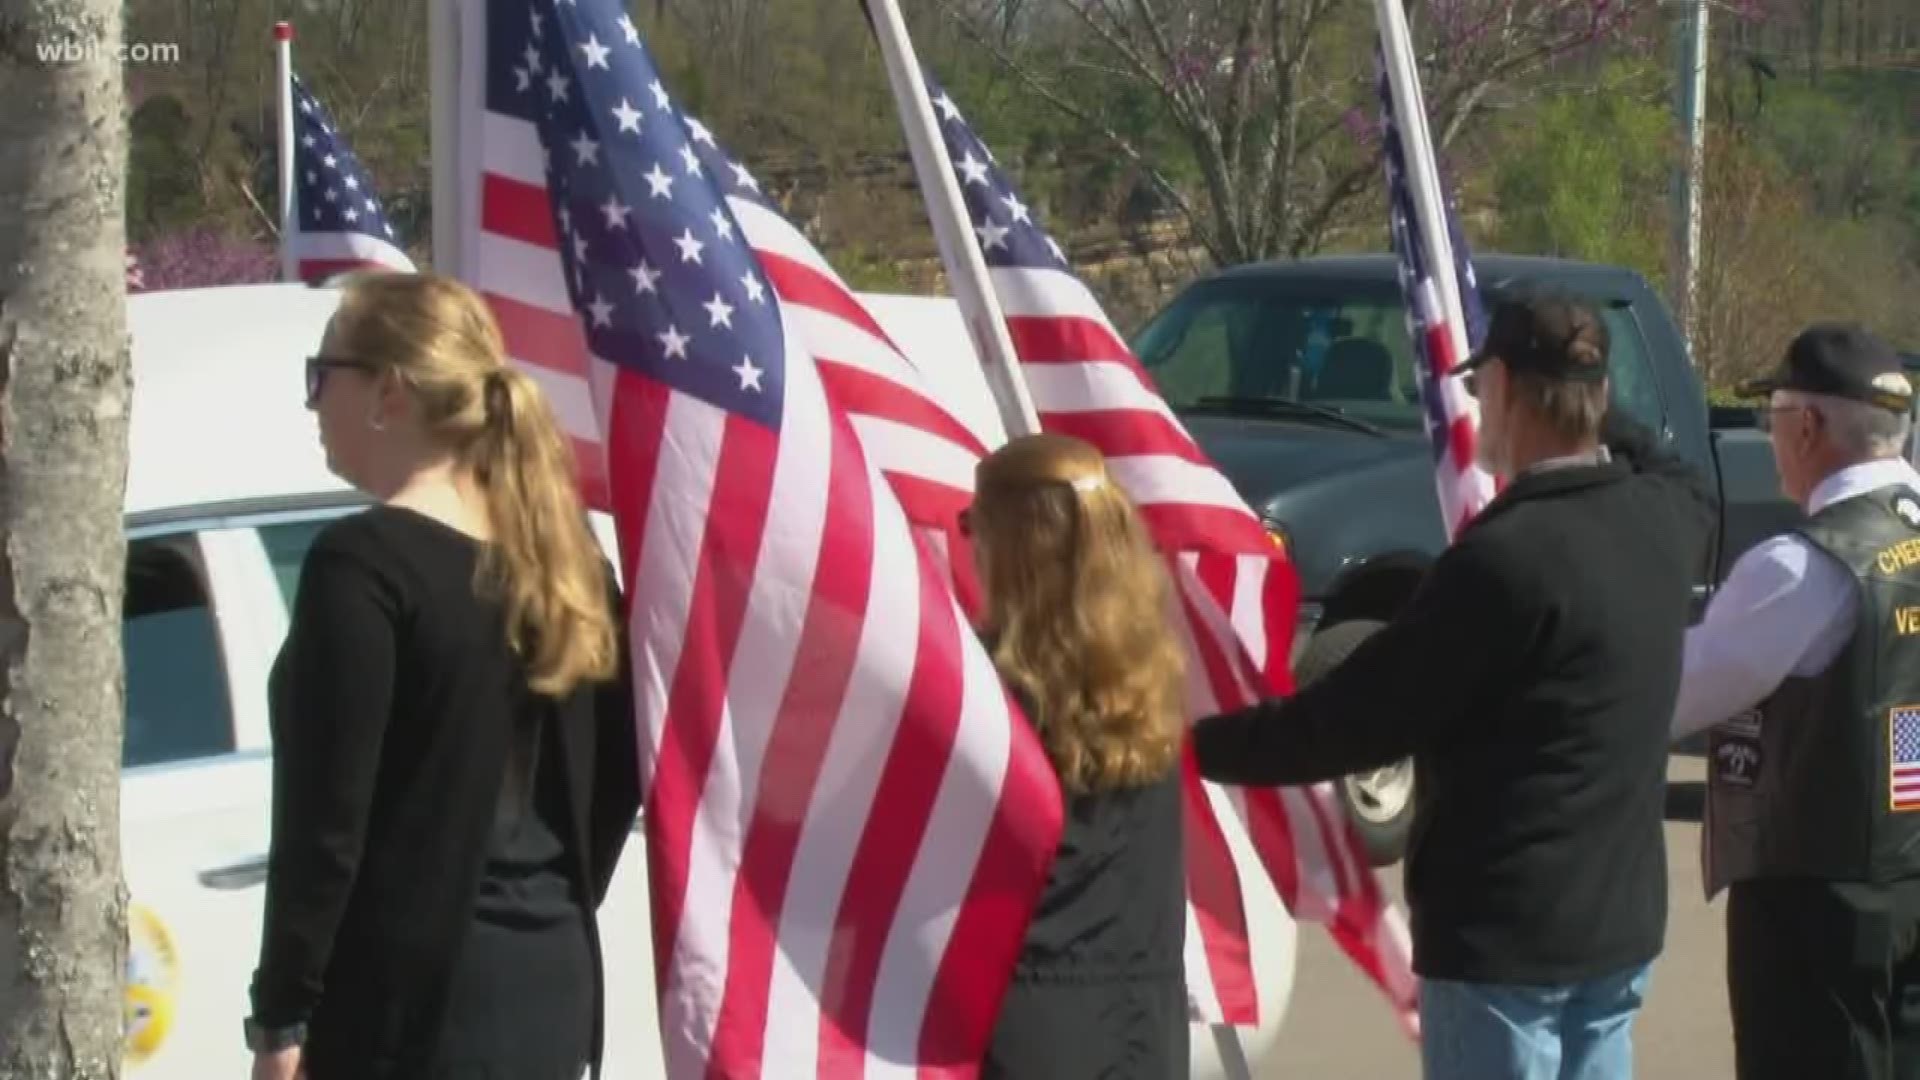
(226, 488)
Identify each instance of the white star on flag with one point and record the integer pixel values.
(660, 182)
(628, 116)
(690, 248)
(675, 341)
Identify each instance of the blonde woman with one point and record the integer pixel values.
(1077, 625)
(455, 763)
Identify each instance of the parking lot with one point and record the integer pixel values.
(1338, 1029)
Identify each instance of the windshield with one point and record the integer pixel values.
(1345, 348)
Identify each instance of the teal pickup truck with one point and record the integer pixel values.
(1297, 378)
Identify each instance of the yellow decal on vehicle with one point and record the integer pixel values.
(153, 983)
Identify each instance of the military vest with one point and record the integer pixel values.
(1823, 778)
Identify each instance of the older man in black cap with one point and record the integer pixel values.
(1531, 679)
(1807, 668)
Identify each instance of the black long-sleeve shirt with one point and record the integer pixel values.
(1531, 679)
(397, 707)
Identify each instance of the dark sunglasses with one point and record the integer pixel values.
(317, 368)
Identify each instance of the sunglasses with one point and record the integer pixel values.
(1763, 418)
(317, 368)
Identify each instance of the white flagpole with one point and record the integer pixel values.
(1423, 173)
(289, 263)
(952, 228)
(444, 57)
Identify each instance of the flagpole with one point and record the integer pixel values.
(952, 228)
(1423, 172)
(444, 60)
(289, 262)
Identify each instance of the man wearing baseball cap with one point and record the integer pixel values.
(1806, 667)
(1530, 678)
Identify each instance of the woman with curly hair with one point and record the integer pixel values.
(1077, 623)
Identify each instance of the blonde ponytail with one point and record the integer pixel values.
(543, 564)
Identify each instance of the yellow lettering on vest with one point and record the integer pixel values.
(1900, 556)
(1906, 620)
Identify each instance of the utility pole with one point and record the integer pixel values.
(1690, 108)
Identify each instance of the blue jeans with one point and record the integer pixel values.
(1487, 1031)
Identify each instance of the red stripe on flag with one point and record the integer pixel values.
(798, 283)
(988, 931)
(1270, 828)
(723, 578)
(843, 588)
(1280, 604)
(862, 392)
(1213, 881)
(1213, 892)
(535, 335)
(1460, 440)
(1066, 339)
(1127, 432)
(909, 784)
(518, 211)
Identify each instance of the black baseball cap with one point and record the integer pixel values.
(1840, 360)
(1546, 334)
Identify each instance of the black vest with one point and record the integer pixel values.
(1823, 779)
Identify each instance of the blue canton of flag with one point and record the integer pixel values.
(339, 224)
(654, 258)
(1008, 232)
(1903, 770)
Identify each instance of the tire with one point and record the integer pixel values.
(1379, 803)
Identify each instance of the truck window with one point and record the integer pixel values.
(1631, 381)
(177, 707)
(1351, 352)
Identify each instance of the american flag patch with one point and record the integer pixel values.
(1903, 757)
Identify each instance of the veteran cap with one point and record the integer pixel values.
(1839, 360)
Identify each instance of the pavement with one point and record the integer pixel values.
(1338, 1027)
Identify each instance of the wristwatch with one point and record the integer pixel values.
(266, 1040)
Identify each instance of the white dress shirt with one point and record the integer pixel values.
(1786, 609)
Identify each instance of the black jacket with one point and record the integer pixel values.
(394, 705)
(1532, 677)
(1100, 987)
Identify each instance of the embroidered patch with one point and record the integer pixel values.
(1736, 760)
(1903, 757)
(1908, 509)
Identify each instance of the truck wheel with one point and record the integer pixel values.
(1379, 802)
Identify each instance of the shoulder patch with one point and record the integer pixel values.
(1909, 509)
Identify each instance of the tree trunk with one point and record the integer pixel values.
(64, 394)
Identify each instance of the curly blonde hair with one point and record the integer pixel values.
(1077, 612)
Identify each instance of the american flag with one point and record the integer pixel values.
(338, 223)
(1452, 419)
(848, 821)
(1237, 590)
(924, 451)
(1903, 757)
